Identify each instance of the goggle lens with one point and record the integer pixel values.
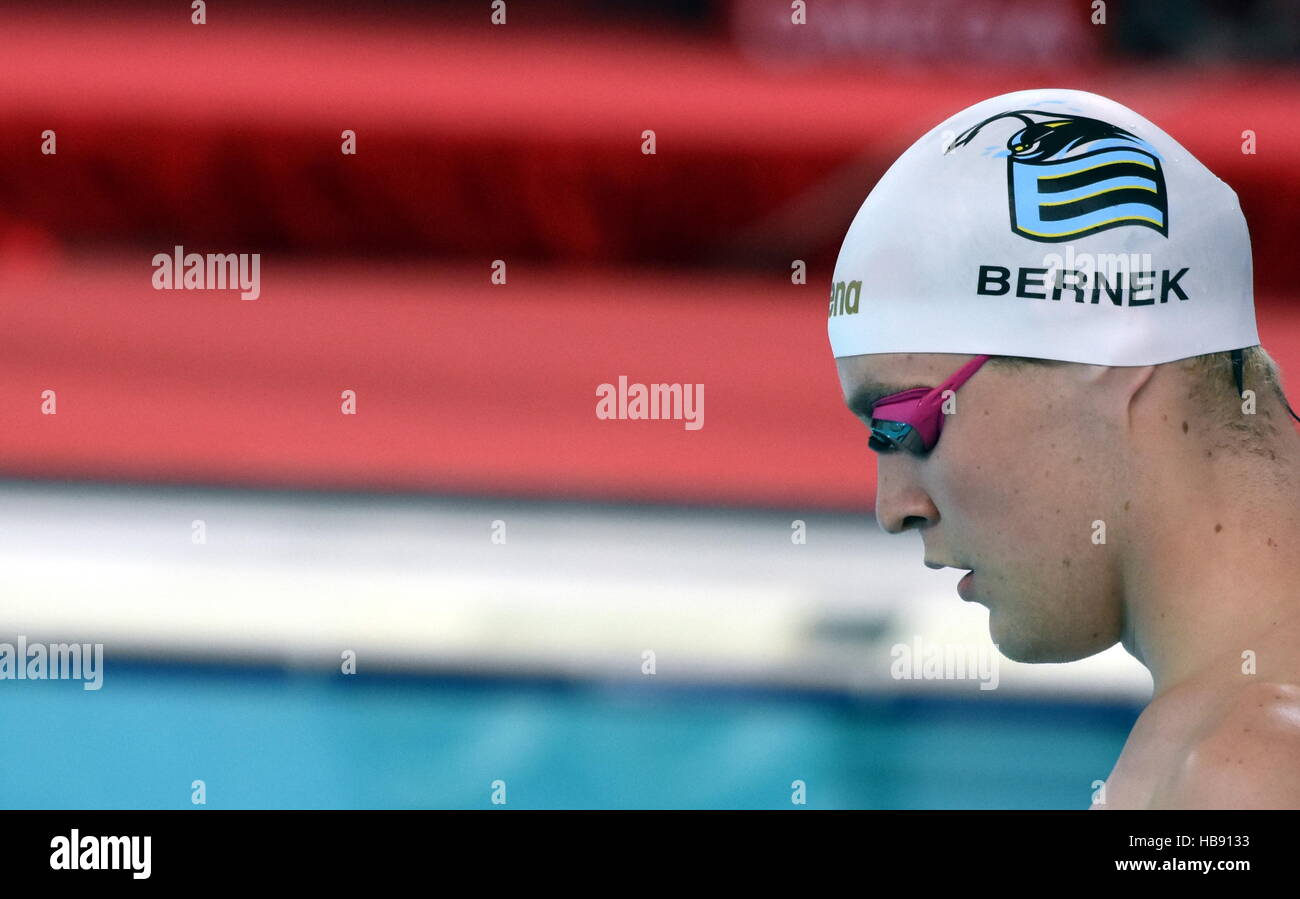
(887, 436)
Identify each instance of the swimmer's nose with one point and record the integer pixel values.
(901, 503)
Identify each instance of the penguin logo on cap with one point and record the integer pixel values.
(1069, 176)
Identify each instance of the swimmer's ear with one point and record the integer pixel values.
(1114, 386)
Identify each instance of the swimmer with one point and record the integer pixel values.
(1111, 461)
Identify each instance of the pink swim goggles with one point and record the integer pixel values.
(913, 420)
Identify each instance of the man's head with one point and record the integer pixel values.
(1108, 275)
(1036, 452)
(1109, 244)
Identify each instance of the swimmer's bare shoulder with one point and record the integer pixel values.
(1213, 747)
(1248, 759)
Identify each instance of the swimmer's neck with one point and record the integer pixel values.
(1212, 564)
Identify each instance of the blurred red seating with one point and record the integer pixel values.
(486, 143)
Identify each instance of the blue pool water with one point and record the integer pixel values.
(273, 738)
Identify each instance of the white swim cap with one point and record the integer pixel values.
(1052, 224)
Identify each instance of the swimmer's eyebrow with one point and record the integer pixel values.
(868, 393)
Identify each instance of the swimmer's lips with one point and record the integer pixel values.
(963, 585)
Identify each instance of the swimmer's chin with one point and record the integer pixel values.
(1040, 649)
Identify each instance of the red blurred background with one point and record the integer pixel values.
(522, 143)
